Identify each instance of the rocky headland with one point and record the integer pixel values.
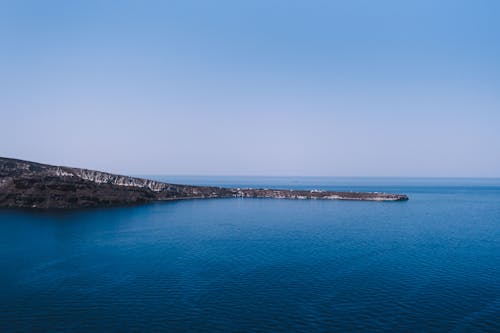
(25, 184)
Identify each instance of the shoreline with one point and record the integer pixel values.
(32, 185)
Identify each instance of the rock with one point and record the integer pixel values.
(26, 184)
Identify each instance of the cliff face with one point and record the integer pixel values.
(34, 185)
(26, 184)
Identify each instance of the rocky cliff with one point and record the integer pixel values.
(26, 184)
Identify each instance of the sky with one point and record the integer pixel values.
(261, 87)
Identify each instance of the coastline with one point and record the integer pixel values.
(25, 184)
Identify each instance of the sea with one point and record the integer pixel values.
(430, 264)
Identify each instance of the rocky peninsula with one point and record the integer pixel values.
(25, 184)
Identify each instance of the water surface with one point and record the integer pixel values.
(429, 264)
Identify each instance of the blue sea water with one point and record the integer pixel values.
(431, 264)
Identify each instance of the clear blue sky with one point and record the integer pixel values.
(261, 87)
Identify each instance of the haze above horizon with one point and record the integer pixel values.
(292, 88)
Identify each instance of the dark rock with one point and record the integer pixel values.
(26, 184)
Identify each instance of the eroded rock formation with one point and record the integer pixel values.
(26, 184)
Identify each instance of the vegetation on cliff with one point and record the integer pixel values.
(26, 184)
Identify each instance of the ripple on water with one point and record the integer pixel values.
(257, 265)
